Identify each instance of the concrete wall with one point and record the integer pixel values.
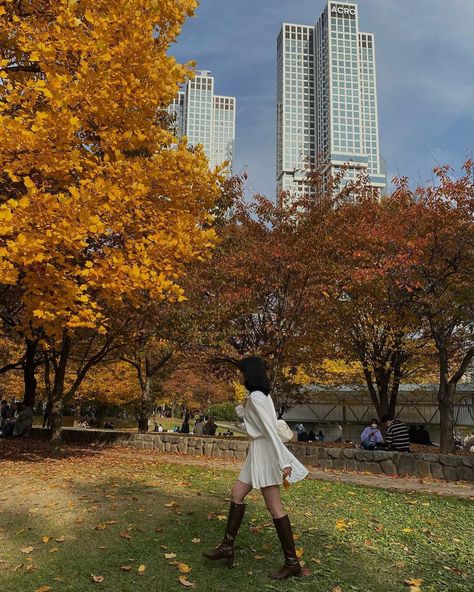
(439, 466)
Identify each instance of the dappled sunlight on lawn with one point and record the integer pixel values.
(117, 519)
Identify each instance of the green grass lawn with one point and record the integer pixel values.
(106, 513)
(168, 423)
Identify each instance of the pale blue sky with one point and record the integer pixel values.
(425, 68)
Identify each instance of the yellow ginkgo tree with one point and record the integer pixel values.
(99, 203)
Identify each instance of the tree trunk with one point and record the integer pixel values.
(445, 398)
(144, 411)
(77, 413)
(29, 377)
(57, 397)
(101, 411)
(446, 417)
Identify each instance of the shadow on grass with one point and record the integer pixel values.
(38, 450)
(135, 519)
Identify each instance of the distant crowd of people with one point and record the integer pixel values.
(397, 435)
(203, 427)
(16, 419)
(311, 436)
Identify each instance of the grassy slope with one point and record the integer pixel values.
(372, 550)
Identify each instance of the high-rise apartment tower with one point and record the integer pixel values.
(206, 119)
(327, 100)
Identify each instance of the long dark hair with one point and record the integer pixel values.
(255, 374)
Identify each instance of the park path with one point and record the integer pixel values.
(461, 490)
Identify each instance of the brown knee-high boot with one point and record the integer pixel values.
(292, 566)
(225, 550)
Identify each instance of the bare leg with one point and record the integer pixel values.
(240, 491)
(236, 513)
(272, 498)
(292, 567)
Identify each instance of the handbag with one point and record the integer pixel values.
(284, 431)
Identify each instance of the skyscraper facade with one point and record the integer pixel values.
(206, 119)
(327, 100)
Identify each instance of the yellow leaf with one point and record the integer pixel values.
(45, 539)
(407, 530)
(414, 584)
(126, 568)
(183, 568)
(299, 552)
(221, 517)
(141, 569)
(44, 588)
(196, 541)
(60, 539)
(170, 555)
(185, 582)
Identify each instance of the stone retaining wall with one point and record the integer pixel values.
(439, 466)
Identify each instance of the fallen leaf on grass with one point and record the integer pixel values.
(170, 555)
(172, 505)
(30, 568)
(141, 569)
(17, 567)
(60, 539)
(54, 549)
(158, 530)
(259, 557)
(337, 589)
(196, 541)
(414, 584)
(125, 534)
(97, 579)
(26, 550)
(221, 517)
(126, 568)
(305, 571)
(45, 539)
(185, 582)
(99, 527)
(44, 589)
(408, 530)
(299, 552)
(341, 525)
(183, 568)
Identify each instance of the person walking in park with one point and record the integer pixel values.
(268, 464)
(397, 436)
(185, 426)
(371, 436)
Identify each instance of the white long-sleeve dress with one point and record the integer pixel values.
(267, 455)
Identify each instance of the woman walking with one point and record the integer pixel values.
(268, 463)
